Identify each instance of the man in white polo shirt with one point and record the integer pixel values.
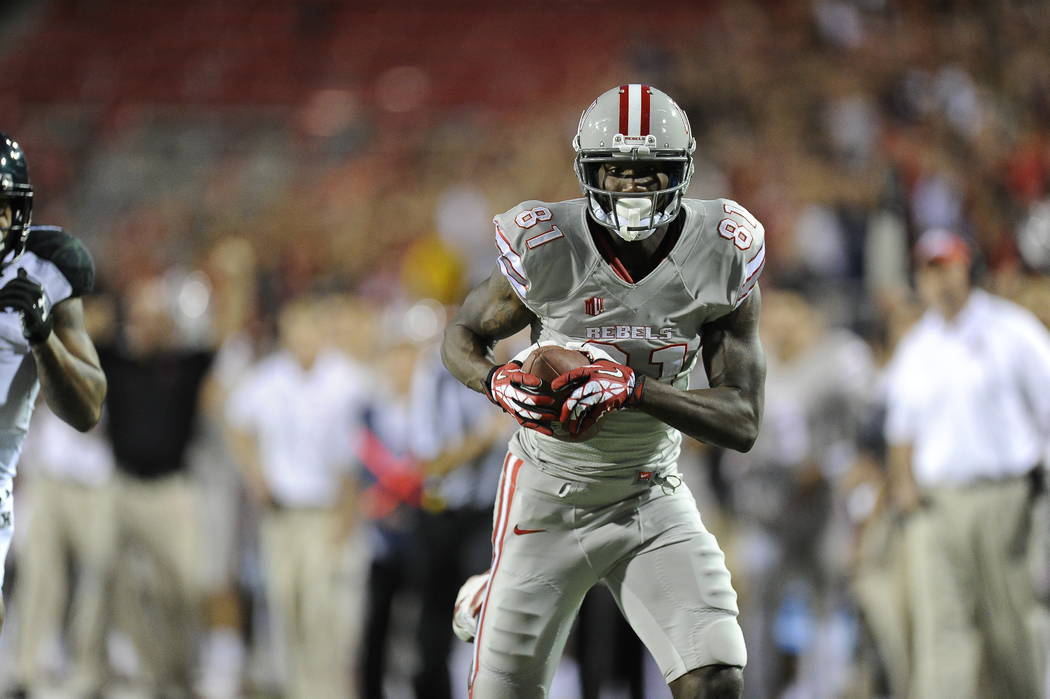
(292, 421)
(968, 424)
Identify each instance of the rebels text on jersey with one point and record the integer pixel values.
(549, 256)
(63, 267)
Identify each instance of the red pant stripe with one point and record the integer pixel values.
(508, 484)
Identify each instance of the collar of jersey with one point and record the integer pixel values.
(613, 264)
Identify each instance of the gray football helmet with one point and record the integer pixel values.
(641, 126)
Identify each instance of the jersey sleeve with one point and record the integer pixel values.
(747, 236)
(66, 267)
(533, 253)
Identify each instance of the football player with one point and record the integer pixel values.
(43, 342)
(648, 281)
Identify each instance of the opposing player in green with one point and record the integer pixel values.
(645, 281)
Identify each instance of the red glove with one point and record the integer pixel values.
(509, 388)
(600, 387)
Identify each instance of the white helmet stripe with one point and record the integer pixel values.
(634, 110)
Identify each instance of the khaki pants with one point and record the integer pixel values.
(314, 589)
(158, 534)
(976, 622)
(881, 589)
(66, 520)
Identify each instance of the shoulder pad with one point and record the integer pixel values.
(73, 260)
(534, 253)
(739, 240)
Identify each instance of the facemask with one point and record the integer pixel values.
(630, 212)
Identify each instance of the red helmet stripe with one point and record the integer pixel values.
(624, 99)
(645, 110)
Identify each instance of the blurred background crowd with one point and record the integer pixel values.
(285, 200)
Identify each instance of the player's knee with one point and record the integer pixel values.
(710, 682)
(725, 644)
(722, 682)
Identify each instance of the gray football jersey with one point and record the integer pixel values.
(547, 253)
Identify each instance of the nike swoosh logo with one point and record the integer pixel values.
(617, 374)
(519, 530)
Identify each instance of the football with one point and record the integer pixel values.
(548, 363)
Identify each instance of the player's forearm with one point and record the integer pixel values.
(73, 388)
(463, 453)
(245, 451)
(904, 491)
(491, 312)
(723, 416)
(467, 356)
(348, 508)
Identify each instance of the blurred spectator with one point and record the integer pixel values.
(391, 481)
(69, 507)
(231, 312)
(833, 92)
(354, 327)
(968, 425)
(292, 422)
(785, 492)
(154, 387)
(460, 442)
(879, 571)
(70, 515)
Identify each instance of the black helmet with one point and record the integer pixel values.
(15, 188)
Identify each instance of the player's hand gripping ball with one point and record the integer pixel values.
(547, 361)
(24, 295)
(602, 386)
(583, 381)
(518, 393)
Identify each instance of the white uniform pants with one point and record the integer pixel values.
(554, 539)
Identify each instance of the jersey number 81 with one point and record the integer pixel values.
(739, 226)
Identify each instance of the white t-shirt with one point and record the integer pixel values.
(972, 395)
(55, 449)
(305, 422)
